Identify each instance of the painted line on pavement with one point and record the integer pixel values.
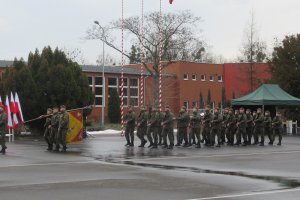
(49, 164)
(248, 194)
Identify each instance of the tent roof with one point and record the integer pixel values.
(267, 94)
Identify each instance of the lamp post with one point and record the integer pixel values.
(103, 78)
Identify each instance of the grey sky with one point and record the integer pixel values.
(29, 24)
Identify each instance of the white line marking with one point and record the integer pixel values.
(248, 194)
(49, 164)
(213, 156)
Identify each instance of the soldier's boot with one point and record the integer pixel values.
(131, 144)
(64, 149)
(178, 144)
(279, 143)
(271, 143)
(150, 145)
(154, 146)
(262, 143)
(49, 147)
(56, 148)
(171, 146)
(164, 146)
(3, 150)
(218, 145)
(198, 145)
(238, 143)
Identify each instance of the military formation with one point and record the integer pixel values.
(211, 128)
(56, 128)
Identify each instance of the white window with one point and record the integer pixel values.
(194, 77)
(186, 104)
(91, 84)
(220, 78)
(211, 78)
(125, 96)
(203, 77)
(185, 77)
(98, 91)
(134, 92)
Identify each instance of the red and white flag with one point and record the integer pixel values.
(8, 113)
(13, 110)
(18, 108)
(171, 1)
(1, 104)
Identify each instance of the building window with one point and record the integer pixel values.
(98, 91)
(186, 104)
(112, 84)
(134, 92)
(125, 90)
(185, 76)
(203, 77)
(91, 85)
(220, 78)
(211, 78)
(194, 77)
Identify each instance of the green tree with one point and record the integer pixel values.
(285, 68)
(134, 55)
(114, 111)
(48, 79)
(224, 102)
(209, 102)
(201, 104)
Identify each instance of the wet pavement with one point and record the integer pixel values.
(102, 168)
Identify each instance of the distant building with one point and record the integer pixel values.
(182, 83)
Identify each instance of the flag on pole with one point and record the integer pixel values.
(18, 108)
(13, 110)
(75, 133)
(8, 113)
(171, 1)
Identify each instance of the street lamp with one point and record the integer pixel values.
(103, 78)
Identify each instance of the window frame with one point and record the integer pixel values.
(196, 77)
(203, 75)
(186, 78)
(138, 92)
(213, 78)
(96, 95)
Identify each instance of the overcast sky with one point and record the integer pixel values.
(29, 24)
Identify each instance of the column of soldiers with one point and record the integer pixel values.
(56, 128)
(234, 127)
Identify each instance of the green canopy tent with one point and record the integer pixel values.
(267, 95)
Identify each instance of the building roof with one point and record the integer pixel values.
(6, 63)
(112, 70)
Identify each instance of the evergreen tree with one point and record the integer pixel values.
(114, 112)
(209, 102)
(224, 102)
(201, 103)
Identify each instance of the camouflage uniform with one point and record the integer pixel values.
(249, 128)
(277, 129)
(63, 128)
(160, 128)
(195, 129)
(142, 127)
(223, 129)
(168, 129)
(259, 128)
(153, 129)
(206, 127)
(54, 129)
(230, 128)
(241, 129)
(182, 125)
(47, 133)
(216, 123)
(129, 129)
(268, 127)
(3, 124)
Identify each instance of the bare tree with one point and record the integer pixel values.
(253, 48)
(180, 39)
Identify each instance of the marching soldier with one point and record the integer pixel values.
(230, 127)
(195, 128)
(54, 127)
(249, 127)
(277, 128)
(216, 128)
(241, 128)
(142, 126)
(259, 127)
(224, 122)
(160, 128)
(3, 124)
(168, 129)
(47, 133)
(130, 125)
(153, 128)
(206, 125)
(182, 125)
(63, 128)
(268, 126)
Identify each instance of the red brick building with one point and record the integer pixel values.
(181, 84)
